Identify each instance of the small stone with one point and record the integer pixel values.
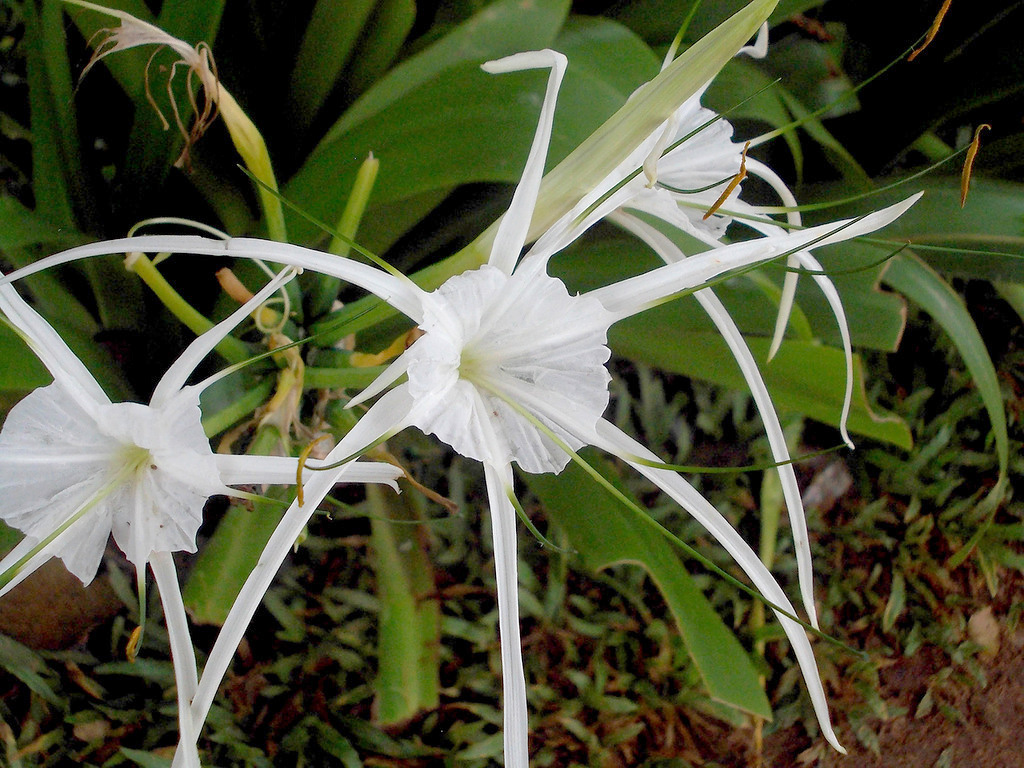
(983, 629)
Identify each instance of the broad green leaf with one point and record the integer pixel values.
(909, 275)
(21, 227)
(326, 46)
(21, 370)
(500, 29)
(422, 148)
(604, 534)
(227, 558)
(992, 221)
(382, 39)
(804, 377)
(49, 173)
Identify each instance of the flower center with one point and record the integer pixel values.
(495, 344)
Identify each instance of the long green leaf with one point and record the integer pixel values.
(605, 534)
(326, 46)
(909, 275)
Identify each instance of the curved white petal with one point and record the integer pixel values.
(34, 562)
(401, 293)
(836, 304)
(503, 531)
(762, 398)
(635, 294)
(388, 415)
(176, 376)
(51, 350)
(512, 232)
(183, 655)
(54, 462)
(789, 284)
(614, 441)
(388, 376)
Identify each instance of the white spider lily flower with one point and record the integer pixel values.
(506, 347)
(686, 187)
(76, 468)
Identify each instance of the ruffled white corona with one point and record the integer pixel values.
(491, 339)
(143, 473)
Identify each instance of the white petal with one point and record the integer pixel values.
(387, 415)
(614, 441)
(511, 235)
(503, 531)
(388, 376)
(51, 350)
(399, 293)
(638, 293)
(762, 398)
(176, 376)
(53, 461)
(183, 654)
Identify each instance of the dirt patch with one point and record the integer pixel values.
(966, 725)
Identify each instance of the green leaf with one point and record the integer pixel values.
(21, 227)
(331, 34)
(605, 534)
(992, 221)
(502, 28)
(227, 559)
(21, 370)
(409, 632)
(804, 377)
(382, 39)
(24, 664)
(921, 284)
(422, 148)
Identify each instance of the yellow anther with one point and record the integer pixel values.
(972, 151)
(303, 458)
(732, 184)
(933, 30)
(132, 649)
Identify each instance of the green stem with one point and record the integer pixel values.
(231, 349)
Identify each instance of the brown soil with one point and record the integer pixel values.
(976, 726)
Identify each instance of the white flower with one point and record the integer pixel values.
(76, 468)
(506, 348)
(692, 169)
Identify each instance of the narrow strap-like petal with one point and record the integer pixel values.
(503, 532)
(402, 294)
(616, 442)
(667, 250)
(174, 379)
(512, 232)
(281, 470)
(388, 376)
(387, 415)
(21, 549)
(52, 350)
(789, 284)
(183, 655)
(807, 261)
(635, 294)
